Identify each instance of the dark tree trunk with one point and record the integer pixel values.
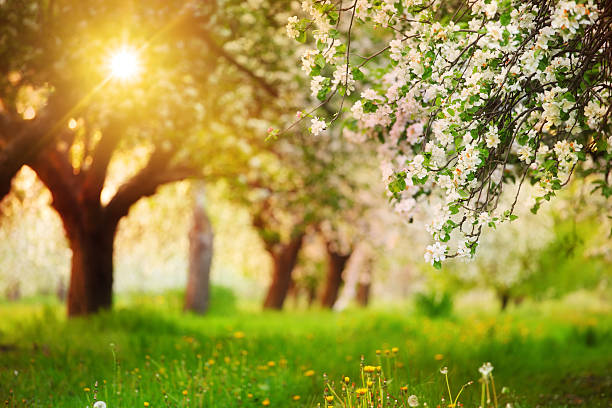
(284, 258)
(335, 267)
(312, 295)
(504, 299)
(364, 286)
(197, 294)
(363, 294)
(91, 279)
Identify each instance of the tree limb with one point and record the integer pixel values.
(145, 183)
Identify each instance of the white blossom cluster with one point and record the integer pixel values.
(502, 94)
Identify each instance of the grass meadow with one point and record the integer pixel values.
(147, 353)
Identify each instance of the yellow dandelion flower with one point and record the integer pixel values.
(296, 397)
(238, 335)
(146, 404)
(86, 389)
(394, 350)
(439, 357)
(369, 369)
(265, 402)
(185, 392)
(309, 373)
(369, 383)
(347, 380)
(271, 364)
(329, 398)
(361, 391)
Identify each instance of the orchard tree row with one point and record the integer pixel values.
(462, 103)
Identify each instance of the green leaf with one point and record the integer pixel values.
(302, 37)
(322, 94)
(357, 74)
(320, 60)
(504, 19)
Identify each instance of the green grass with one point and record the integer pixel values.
(146, 350)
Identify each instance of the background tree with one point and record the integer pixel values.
(197, 293)
(178, 105)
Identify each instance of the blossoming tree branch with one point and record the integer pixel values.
(467, 101)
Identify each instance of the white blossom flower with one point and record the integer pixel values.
(435, 253)
(492, 137)
(317, 126)
(525, 153)
(316, 84)
(292, 31)
(413, 401)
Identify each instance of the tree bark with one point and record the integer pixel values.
(504, 299)
(197, 293)
(363, 294)
(364, 286)
(284, 258)
(336, 263)
(91, 279)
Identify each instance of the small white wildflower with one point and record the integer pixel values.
(444, 370)
(486, 369)
(413, 401)
(99, 404)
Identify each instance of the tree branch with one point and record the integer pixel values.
(145, 183)
(96, 174)
(217, 49)
(57, 174)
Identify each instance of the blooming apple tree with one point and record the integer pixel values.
(468, 103)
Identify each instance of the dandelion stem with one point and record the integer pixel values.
(460, 391)
(494, 393)
(482, 395)
(450, 396)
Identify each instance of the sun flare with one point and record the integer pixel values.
(124, 64)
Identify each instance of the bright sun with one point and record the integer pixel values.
(124, 64)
